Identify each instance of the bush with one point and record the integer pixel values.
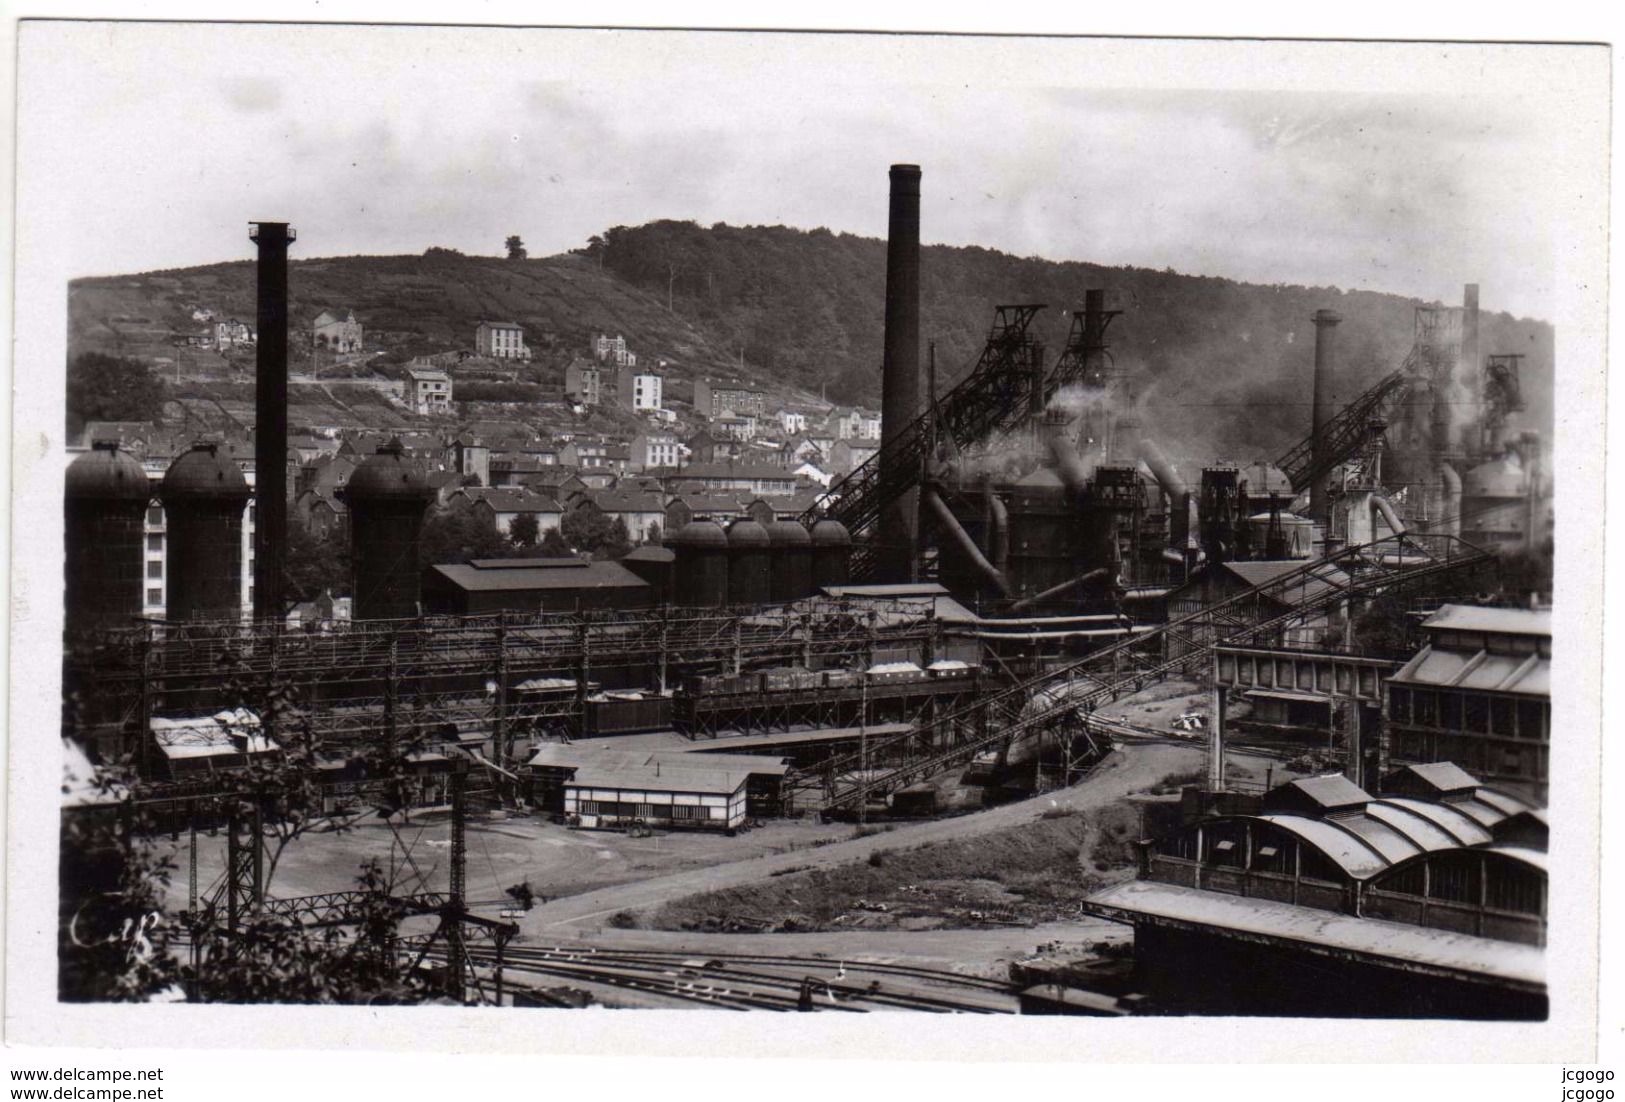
(877, 859)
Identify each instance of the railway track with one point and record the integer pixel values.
(747, 981)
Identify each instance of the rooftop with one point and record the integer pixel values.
(1418, 948)
(1505, 621)
(488, 575)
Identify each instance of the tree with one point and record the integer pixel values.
(653, 536)
(111, 388)
(616, 542)
(516, 248)
(554, 545)
(458, 532)
(524, 531)
(584, 527)
(316, 563)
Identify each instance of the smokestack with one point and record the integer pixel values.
(898, 532)
(1471, 370)
(271, 419)
(1325, 405)
(1097, 426)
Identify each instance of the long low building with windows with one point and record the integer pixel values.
(1428, 900)
(598, 787)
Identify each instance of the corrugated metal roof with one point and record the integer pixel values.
(669, 778)
(1352, 854)
(1418, 946)
(1465, 829)
(1423, 830)
(593, 575)
(1287, 694)
(1296, 591)
(1506, 621)
(1331, 791)
(1528, 675)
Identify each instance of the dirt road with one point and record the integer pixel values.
(1134, 768)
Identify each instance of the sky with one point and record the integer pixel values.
(1399, 168)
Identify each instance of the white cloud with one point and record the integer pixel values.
(393, 139)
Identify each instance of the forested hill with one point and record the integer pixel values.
(1221, 367)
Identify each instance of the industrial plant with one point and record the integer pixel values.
(1027, 592)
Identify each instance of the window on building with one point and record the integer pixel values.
(1454, 878)
(155, 515)
(155, 569)
(155, 596)
(1426, 708)
(1476, 714)
(155, 542)
(1399, 704)
(1450, 711)
(1501, 716)
(1532, 720)
(1515, 889)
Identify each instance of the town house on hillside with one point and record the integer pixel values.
(430, 390)
(640, 509)
(711, 399)
(337, 331)
(638, 391)
(232, 334)
(613, 350)
(501, 340)
(583, 382)
(504, 505)
(855, 424)
(651, 450)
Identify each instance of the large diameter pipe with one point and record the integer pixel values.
(1325, 406)
(998, 528)
(967, 546)
(899, 528)
(1469, 368)
(1388, 514)
(1452, 499)
(1068, 464)
(271, 419)
(1054, 591)
(1178, 493)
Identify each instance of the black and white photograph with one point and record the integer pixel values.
(517, 523)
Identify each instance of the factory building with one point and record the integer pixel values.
(600, 788)
(1427, 900)
(1479, 694)
(669, 788)
(531, 585)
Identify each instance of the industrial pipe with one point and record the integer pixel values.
(1178, 494)
(1388, 513)
(1068, 464)
(998, 529)
(1056, 590)
(967, 546)
(1451, 512)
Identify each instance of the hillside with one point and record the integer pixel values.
(1220, 367)
(409, 305)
